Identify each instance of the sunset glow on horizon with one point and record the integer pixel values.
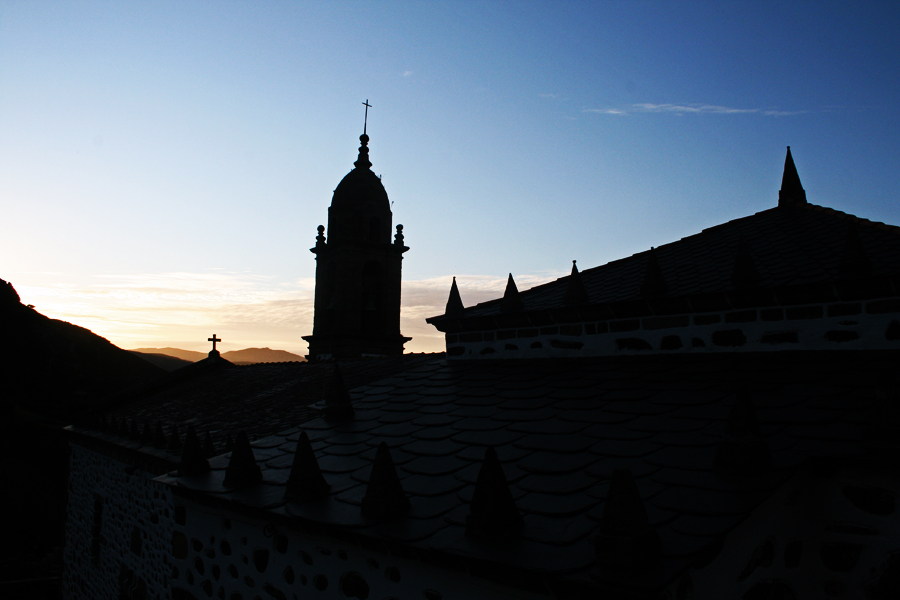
(164, 166)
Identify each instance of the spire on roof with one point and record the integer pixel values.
(854, 262)
(744, 274)
(742, 449)
(229, 443)
(146, 434)
(511, 301)
(493, 512)
(305, 480)
(192, 460)
(242, 470)
(209, 448)
(791, 193)
(338, 406)
(625, 542)
(454, 306)
(159, 436)
(384, 497)
(654, 282)
(575, 292)
(135, 431)
(174, 440)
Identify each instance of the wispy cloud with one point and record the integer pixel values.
(407, 73)
(690, 109)
(548, 95)
(606, 111)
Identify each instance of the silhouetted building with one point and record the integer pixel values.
(357, 305)
(716, 418)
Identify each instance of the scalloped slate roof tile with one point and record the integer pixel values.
(559, 460)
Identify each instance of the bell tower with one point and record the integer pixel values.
(357, 305)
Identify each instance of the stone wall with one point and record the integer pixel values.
(118, 530)
(874, 324)
(221, 554)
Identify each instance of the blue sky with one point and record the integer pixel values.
(163, 166)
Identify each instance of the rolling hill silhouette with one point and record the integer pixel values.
(57, 369)
(248, 356)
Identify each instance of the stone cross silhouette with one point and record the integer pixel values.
(368, 106)
(213, 339)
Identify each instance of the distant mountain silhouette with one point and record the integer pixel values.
(186, 355)
(58, 369)
(163, 361)
(248, 356)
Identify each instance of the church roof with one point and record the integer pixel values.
(218, 397)
(801, 245)
(704, 440)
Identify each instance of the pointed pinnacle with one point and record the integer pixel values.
(454, 306)
(159, 436)
(242, 470)
(306, 480)
(174, 440)
(654, 282)
(625, 542)
(511, 301)
(384, 497)
(624, 511)
(146, 434)
(209, 448)
(338, 406)
(229, 443)
(792, 192)
(575, 292)
(192, 459)
(493, 512)
(744, 274)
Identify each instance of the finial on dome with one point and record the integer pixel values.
(362, 162)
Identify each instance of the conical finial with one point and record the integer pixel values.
(791, 193)
(575, 292)
(306, 480)
(146, 434)
(493, 511)
(511, 301)
(242, 470)
(742, 449)
(654, 282)
(454, 306)
(384, 497)
(174, 440)
(338, 406)
(625, 540)
(744, 274)
(854, 262)
(209, 448)
(159, 436)
(192, 460)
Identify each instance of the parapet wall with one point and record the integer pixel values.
(873, 324)
(118, 530)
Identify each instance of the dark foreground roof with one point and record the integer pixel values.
(785, 246)
(561, 429)
(216, 396)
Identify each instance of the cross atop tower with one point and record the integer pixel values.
(366, 121)
(214, 339)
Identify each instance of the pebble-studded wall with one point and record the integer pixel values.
(118, 531)
(223, 555)
(830, 532)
